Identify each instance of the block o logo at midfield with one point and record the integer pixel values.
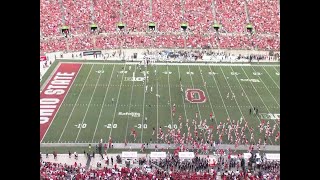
(195, 96)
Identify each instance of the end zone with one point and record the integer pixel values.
(54, 93)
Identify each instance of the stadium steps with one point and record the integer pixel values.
(62, 12)
(67, 44)
(217, 40)
(150, 9)
(88, 163)
(94, 42)
(121, 15)
(246, 10)
(92, 12)
(182, 3)
(214, 11)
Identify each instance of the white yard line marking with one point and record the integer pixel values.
(62, 100)
(208, 95)
(144, 100)
(170, 99)
(88, 106)
(235, 98)
(165, 85)
(183, 96)
(220, 93)
(248, 100)
(157, 106)
(103, 104)
(210, 63)
(271, 77)
(276, 69)
(115, 110)
(135, 67)
(75, 106)
(258, 94)
(197, 103)
(267, 89)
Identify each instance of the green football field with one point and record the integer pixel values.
(88, 113)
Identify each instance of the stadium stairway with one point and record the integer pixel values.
(213, 11)
(92, 12)
(62, 12)
(150, 9)
(247, 12)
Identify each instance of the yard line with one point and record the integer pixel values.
(258, 94)
(197, 103)
(270, 77)
(235, 99)
(247, 98)
(75, 103)
(170, 98)
(157, 105)
(135, 67)
(208, 95)
(62, 101)
(104, 99)
(275, 69)
(219, 93)
(85, 114)
(115, 110)
(184, 104)
(267, 88)
(144, 100)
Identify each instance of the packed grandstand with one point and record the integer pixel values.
(232, 15)
(245, 25)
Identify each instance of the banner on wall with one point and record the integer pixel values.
(43, 58)
(88, 53)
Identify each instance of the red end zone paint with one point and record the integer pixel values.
(54, 93)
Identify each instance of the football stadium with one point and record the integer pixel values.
(159, 89)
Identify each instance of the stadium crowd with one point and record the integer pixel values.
(167, 15)
(226, 166)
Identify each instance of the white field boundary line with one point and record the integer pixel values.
(135, 67)
(271, 78)
(138, 146)
(115, 110)
(144, 100)
(176, 85)
(170, 98)
(205, 138)
(208, 95)
(49, 77)
(74, 106)
(213, 76)
(267, 88)
(235, 100)
(61, 102)
(248, 100)
(183, 96)
(157, 105)
(259, 96)
(180, 64)
(104, 100)
(85, 114)
(167, 105)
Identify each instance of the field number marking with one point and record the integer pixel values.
(110, 126)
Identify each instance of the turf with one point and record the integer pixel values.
(88, 113)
